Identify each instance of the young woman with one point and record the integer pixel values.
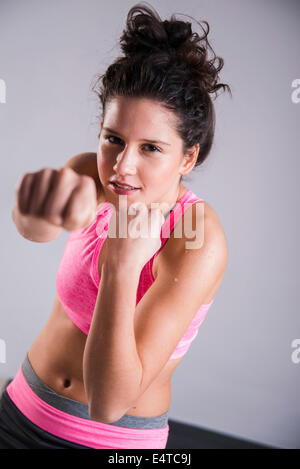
(127, 308)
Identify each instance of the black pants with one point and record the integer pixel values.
(18, 432)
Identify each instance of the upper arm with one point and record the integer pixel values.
(167, 308)
(86, 163)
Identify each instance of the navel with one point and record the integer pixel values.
(67, 383)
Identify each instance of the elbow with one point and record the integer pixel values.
(98, 417)
(101, 419)
(108, 409)
(102, 416)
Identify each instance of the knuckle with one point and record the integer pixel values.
(47, 171)
(19, 182)
(65, 171)
(66, 174)
(25, 182)
(28, 176)
(40, 174)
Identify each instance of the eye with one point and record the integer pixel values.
(108, 137)
(152, 146)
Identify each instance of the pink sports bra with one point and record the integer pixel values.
(77, 279)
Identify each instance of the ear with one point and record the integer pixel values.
(189, 159)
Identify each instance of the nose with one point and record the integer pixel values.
(126, 162)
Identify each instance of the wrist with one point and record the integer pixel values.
(34, 228)
(129, 268)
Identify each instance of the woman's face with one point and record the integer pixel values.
(139, 147)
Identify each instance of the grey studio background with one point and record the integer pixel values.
(240, 375)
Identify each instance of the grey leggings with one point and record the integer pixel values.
(79, 409)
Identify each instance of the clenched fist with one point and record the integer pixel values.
(61, 197)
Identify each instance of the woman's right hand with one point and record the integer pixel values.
(61, 197)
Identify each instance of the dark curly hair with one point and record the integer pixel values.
(167, 62)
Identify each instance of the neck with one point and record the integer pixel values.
(180, 191)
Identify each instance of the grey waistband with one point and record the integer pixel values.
(80, 409)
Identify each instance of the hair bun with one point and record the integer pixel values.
(171, 41)
(178, 32)
(146, 33)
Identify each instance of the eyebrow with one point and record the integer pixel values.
(144, 139)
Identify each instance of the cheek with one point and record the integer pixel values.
(157, 172)
(104, 161)
(165, 172)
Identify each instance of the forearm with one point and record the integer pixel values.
(111, 365)
(34, 229)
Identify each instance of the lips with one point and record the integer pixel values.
(123, 185)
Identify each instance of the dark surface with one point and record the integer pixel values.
(184, 436)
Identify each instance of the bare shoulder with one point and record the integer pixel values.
(200, 225)
(214, 236)
(86, 163)
(214, 224)
(201, 249)
(206, 226)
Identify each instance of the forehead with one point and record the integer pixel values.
(139, 114)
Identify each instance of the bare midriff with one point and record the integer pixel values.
(56, 357)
